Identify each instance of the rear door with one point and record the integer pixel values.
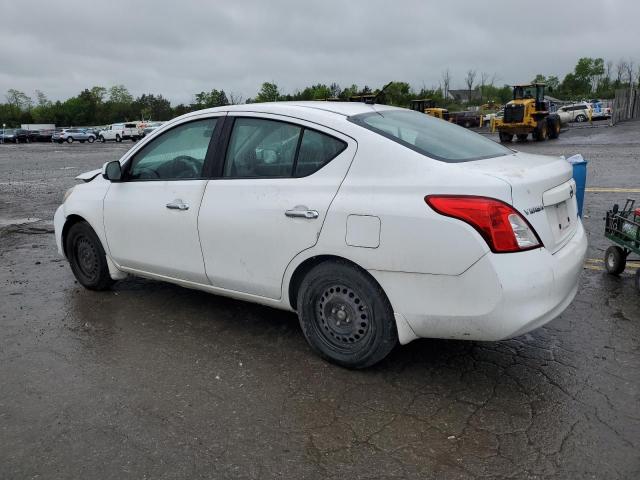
(268, 203)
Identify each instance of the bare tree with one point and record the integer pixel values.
(469, 81)
(629, 72)
(621, 67)
(235, 99)
(446, 82)
(608, 69)
(484, 77)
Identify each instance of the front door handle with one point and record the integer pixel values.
(300, 211)
(178, 205)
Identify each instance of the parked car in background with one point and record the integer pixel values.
(578, 112)
(465, 119)
(71, 135)
(120, 131)
(14, 135)
(43, 135)
(381, 224)
(599, 110)
(150, 127)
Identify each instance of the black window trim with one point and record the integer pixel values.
(208, 158)
(221, 157)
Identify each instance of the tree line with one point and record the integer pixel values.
(591, 77)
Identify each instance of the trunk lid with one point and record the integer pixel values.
(542, 190)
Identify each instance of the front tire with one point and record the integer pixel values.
(581, 118)
(345, 315)
(87, 258)
(69, 139)
(102, 139)
(91, 139)
(505, 137)
(541, 133)
(615, 261)
(118, 138)
(554, 127)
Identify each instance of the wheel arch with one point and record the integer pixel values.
(68, 223)
(309, 263)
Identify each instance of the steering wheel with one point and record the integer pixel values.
(185, 166)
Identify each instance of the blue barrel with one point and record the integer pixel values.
(580, 176)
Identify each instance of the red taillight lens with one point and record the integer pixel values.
(502, 227)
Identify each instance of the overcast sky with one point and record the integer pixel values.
(178, 48)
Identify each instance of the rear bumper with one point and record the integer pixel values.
(500, 296)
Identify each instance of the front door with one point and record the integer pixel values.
(151, 217)
(269, 201)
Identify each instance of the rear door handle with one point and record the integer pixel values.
(300, 211)
(178, 205)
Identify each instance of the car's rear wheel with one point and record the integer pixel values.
(91, 139)
(541, 133)
(102, 139)
(345, 315)
(615, 261)
(87, 258)
(581, 118)
(69, 139)
(505, 137)
(118, 139)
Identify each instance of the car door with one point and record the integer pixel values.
(268, 202)
(150, 218)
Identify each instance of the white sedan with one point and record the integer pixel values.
(377, 225)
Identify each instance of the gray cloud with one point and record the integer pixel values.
(179, 48)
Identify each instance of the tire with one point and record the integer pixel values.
(87, 258)
(541, 133)
(69, 139)
(554, 127)
(522, 137)
(102, 139)
(637, 279)
(345, 315)
(91, 139)
(505, 137)
(118, 139)
(615, 260)
(581, 118)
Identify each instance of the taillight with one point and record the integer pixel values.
(502, 227)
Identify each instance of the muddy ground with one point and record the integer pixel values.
(151, 380)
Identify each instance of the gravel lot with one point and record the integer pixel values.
(152, 380)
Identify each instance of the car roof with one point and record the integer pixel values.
(307, 108)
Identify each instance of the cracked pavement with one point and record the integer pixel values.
(151, 380)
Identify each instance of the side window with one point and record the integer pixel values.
(261, 148)
(316, 150)
(176, 154)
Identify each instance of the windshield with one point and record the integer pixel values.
(430, 136)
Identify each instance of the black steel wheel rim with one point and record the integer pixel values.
(86, 256)
(343, 318)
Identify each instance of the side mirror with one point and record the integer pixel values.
(112, 171)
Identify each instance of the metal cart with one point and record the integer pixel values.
(622, 227)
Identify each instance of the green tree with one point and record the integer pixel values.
(268, 93)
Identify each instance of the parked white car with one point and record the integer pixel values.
(120, 131)
(578, 112)
(376, 224)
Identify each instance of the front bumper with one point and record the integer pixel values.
(500, 296)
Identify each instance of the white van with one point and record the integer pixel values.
(119, 132)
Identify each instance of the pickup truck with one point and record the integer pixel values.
(119, 132)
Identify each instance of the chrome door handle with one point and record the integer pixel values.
(300, 211)
(178, 205)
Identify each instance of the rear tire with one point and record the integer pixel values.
(581, 118)
(118, 138)
(87, 258)
(505, 137)
(102, 139)
(615, 260)
(554, 127)
(69, 139)
(345, 315)
(91, 139)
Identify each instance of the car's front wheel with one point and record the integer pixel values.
(345, 315)
(69, 139)
(581, 118)
(102, 139)
(91, 139)
(118, 139)
(87, 257)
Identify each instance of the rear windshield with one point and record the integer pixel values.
(430, 136)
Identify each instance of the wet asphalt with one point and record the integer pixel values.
(151, 380)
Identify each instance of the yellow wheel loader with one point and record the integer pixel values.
(428, 106)
(528, 113)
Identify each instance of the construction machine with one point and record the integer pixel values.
(528, 113)
(428, 106)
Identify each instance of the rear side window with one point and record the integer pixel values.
(316, 150)
(430, 136)
(261, 148)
